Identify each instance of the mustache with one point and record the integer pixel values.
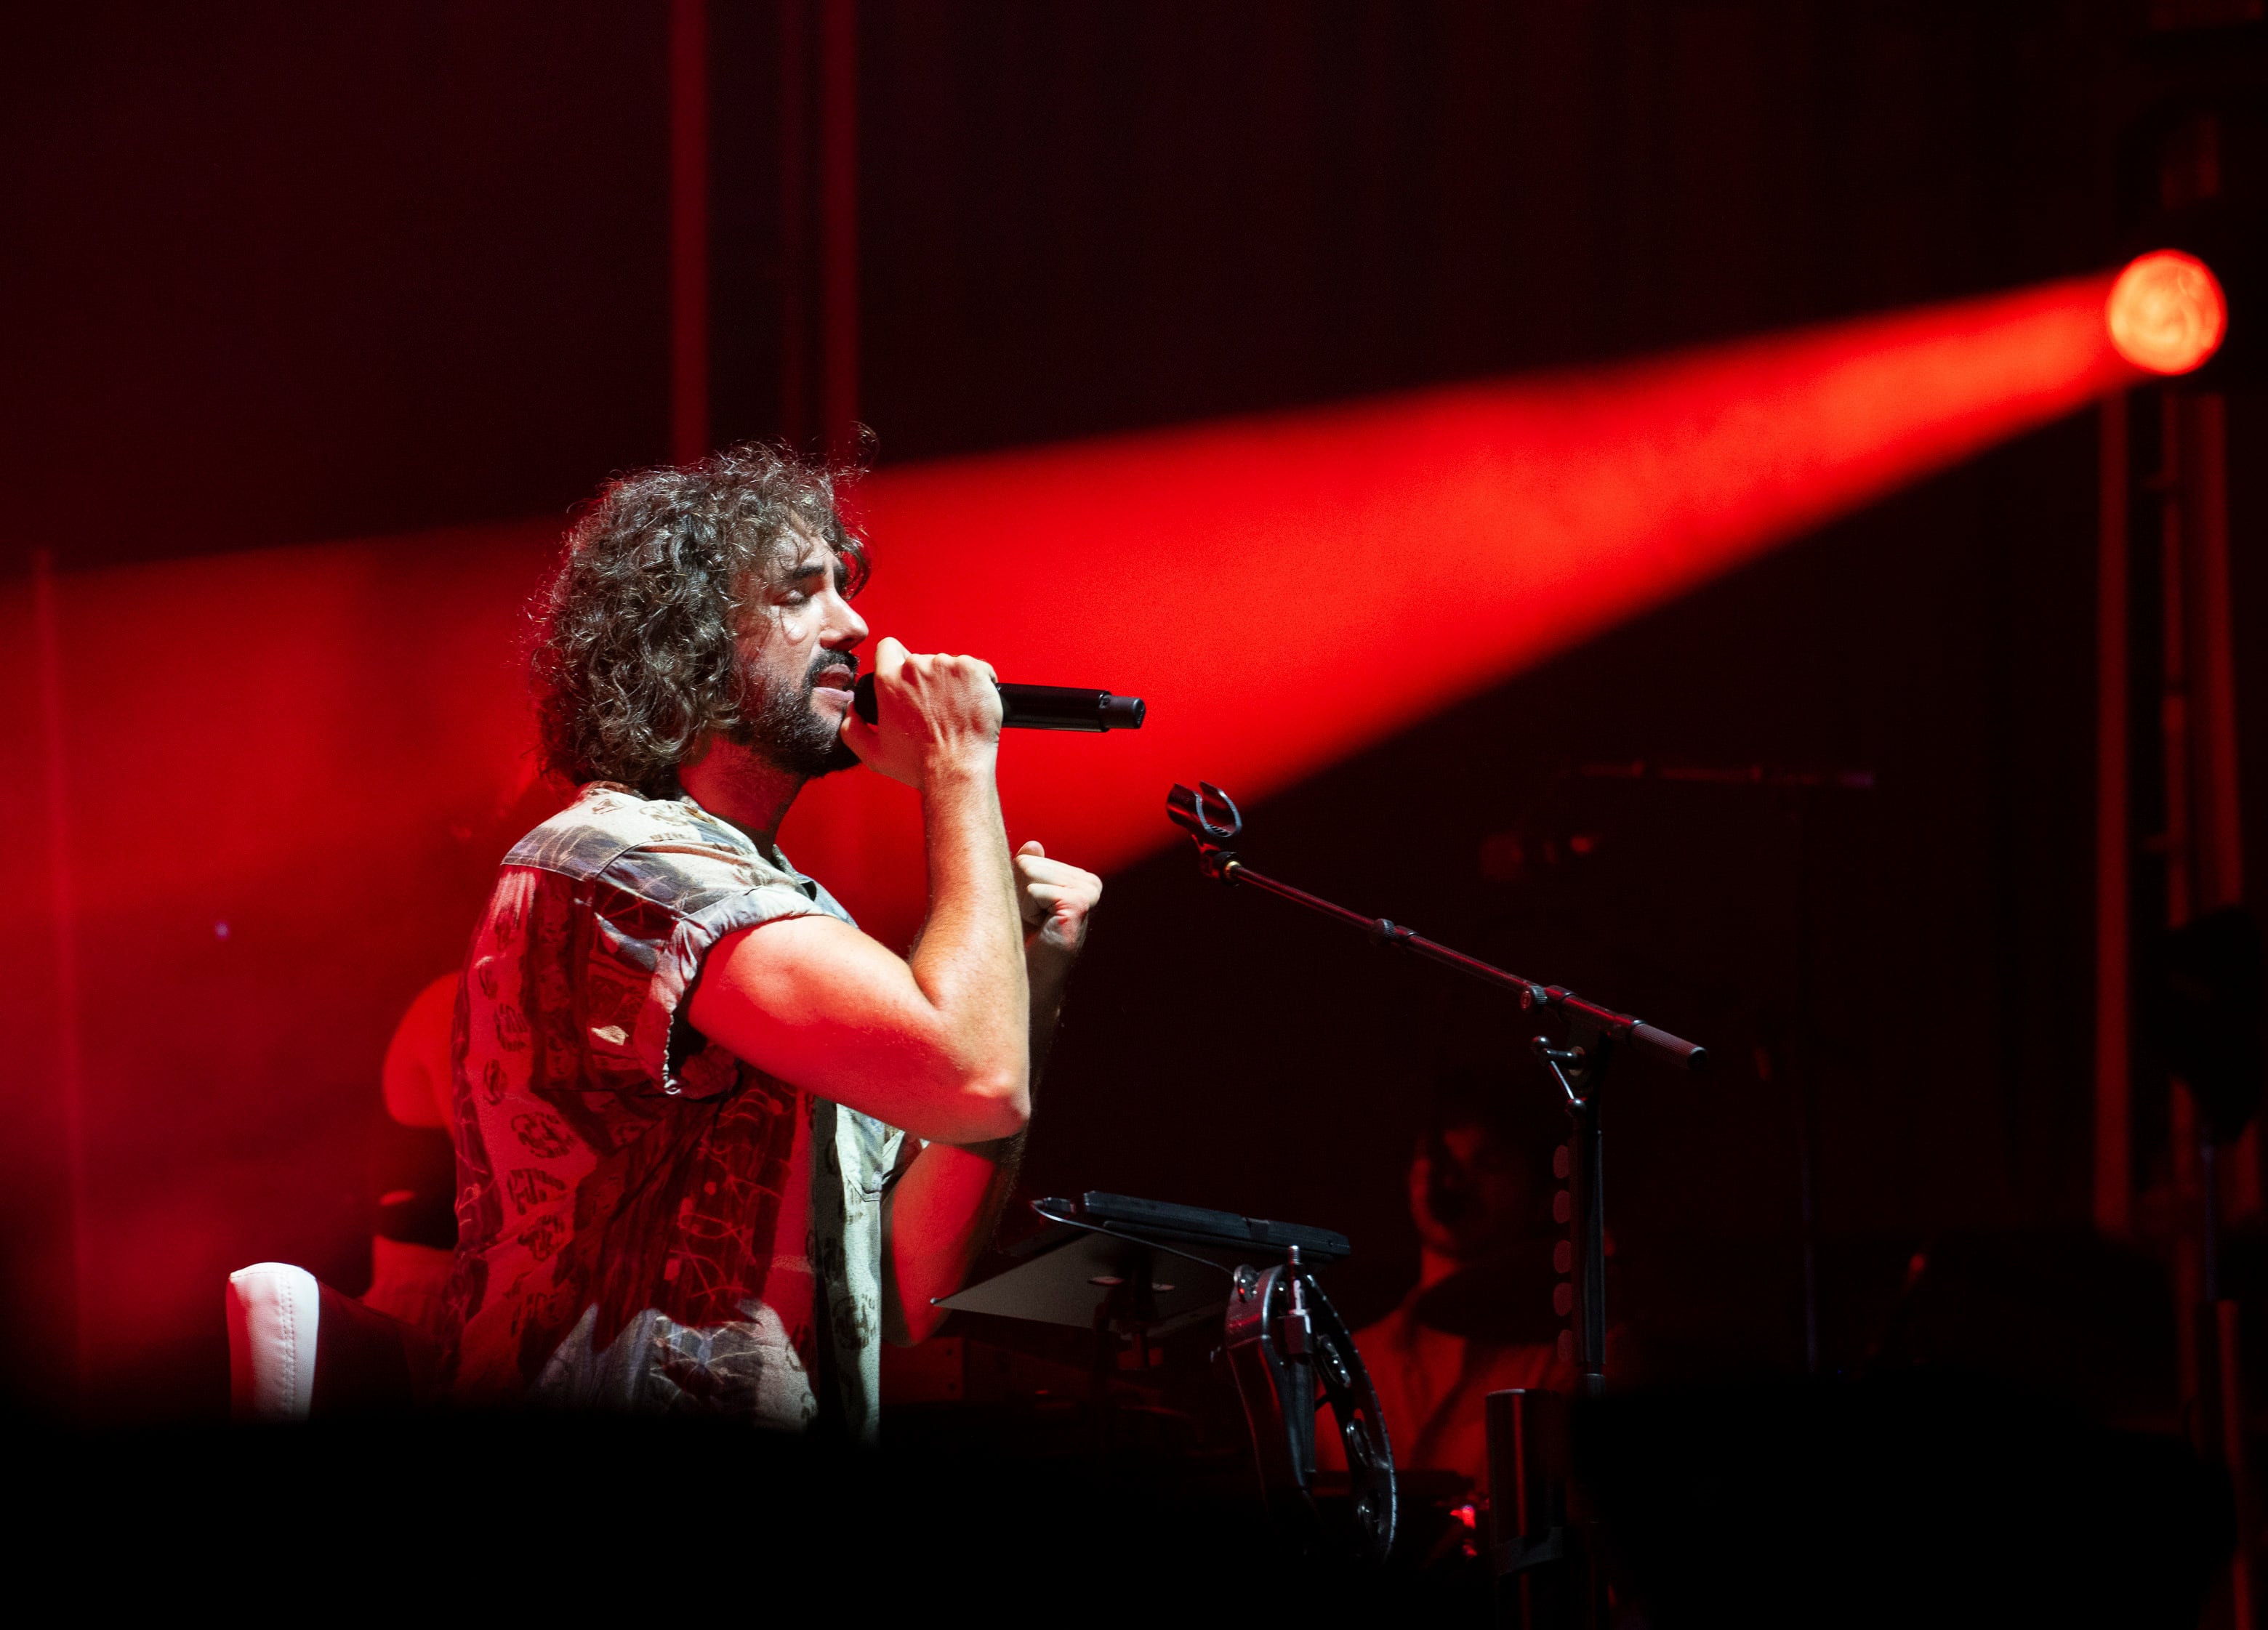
(827, 662)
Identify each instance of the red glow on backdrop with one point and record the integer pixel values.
(289, 770)
(2166, 312)
(1268, 584)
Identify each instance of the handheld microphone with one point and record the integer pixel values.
(1038, 707)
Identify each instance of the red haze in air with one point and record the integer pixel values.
(1265, 583)
(281, 764)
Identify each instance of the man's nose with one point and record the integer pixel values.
(848, 631)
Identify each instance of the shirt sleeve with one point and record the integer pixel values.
(656, 915)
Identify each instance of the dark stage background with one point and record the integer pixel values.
(279, 277)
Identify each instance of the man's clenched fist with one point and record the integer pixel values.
(1056, 899)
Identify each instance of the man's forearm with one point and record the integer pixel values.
(945, 1208)
(942, 1212)
(970, 960)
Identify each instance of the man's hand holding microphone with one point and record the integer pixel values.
(938, 716)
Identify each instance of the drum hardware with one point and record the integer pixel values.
(1138, 1270)
(1292, 1357)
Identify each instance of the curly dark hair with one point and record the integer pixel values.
(635, 657)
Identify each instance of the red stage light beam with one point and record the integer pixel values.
(1286, 591)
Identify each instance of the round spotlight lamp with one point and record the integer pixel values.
(2166, 312)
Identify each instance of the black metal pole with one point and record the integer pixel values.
(1588, 1169)
(1807, 1090)
(2209, 1232)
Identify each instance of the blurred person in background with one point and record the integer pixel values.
(413, 1165)
(1480, 1318)
(414, 1241)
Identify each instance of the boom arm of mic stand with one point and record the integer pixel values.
(1650, 1039)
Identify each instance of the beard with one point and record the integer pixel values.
(783, 724)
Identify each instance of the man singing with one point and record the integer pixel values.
(712, 1141)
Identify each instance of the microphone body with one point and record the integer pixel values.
(1038, 707)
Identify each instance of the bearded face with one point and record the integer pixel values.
(790, 725)
(1466, 1193)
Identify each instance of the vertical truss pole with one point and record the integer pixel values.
(838, 202)
(2113, 1086)
(689, 230)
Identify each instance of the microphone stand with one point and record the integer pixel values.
(1597, 1034)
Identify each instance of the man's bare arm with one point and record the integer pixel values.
(944, 1208)
(939, 1044)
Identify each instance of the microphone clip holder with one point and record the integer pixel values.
(1571, 1066)
(1211, 817)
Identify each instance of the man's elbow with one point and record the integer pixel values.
(997, 1105)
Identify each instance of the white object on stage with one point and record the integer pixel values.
(273, 1312)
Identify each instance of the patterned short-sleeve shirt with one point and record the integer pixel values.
(644, 1221)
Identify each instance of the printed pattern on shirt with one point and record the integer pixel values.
(621, 1181)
